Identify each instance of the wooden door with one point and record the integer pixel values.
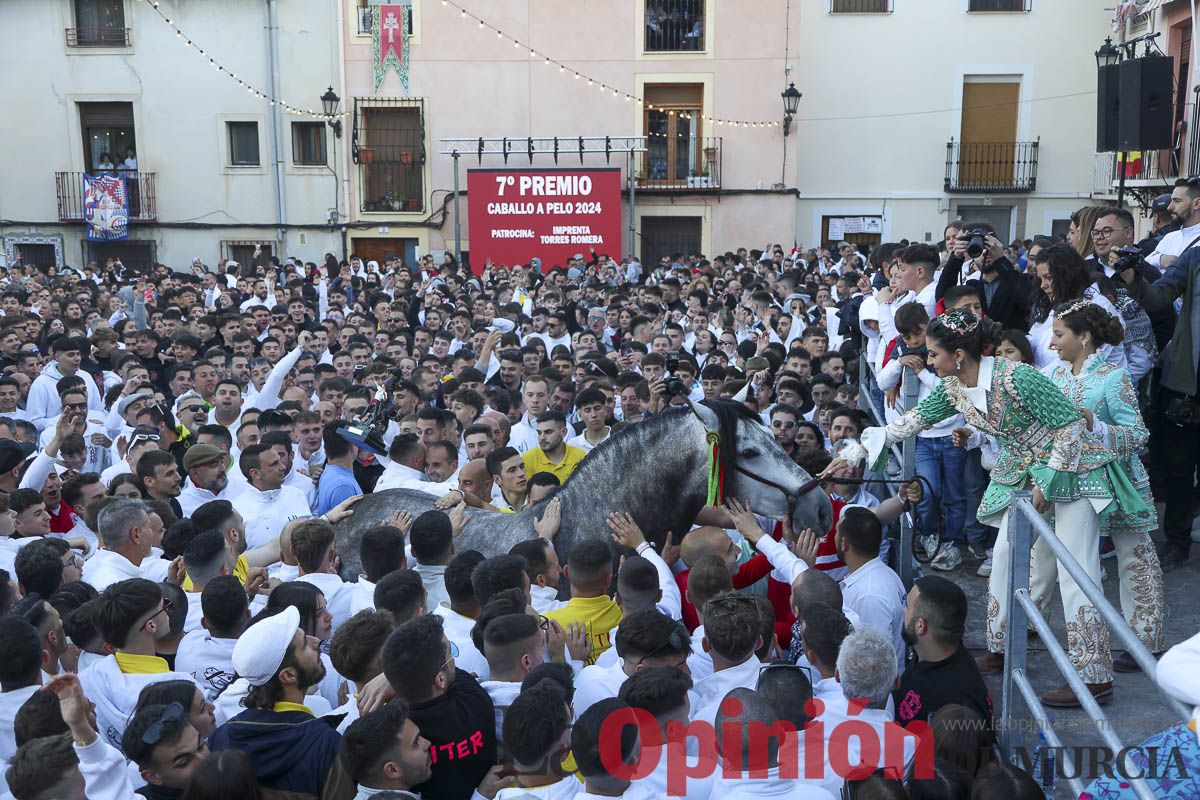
(987, 146)
(378, 249)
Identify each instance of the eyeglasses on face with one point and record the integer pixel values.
(783, 423)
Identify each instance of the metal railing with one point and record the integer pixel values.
(98, 37)
(905, 454)
(142, 200)
(674, 26)
(861, 6)
(687, 164)
(1018, 694)
(991, 166)
(1000, 5)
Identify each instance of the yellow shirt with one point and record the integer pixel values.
(284, 705)
(240, 570)
(133, 664)
(536, 461)
(599, 615)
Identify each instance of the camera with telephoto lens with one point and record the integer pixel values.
(976, 242)
(1184, 412)
(674, 386)
(1129, 258)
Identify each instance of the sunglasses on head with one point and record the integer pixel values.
(155, 732)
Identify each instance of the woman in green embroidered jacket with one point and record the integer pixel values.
(1105, 396)
(1043, 447)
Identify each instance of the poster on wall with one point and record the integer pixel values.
(106, 207)
(552, 214)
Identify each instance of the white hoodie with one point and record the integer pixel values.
(44, 403)
(10, 703)
(115, 694)
(208, 660)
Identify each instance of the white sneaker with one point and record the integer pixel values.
(929, 544)
(985, 569)
(948, 559)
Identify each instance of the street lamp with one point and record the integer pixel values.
(791, 101)
(1109, 54)
(329, 101)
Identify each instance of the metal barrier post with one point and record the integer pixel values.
(908, 468)
(1016, 639)
(1023, 519)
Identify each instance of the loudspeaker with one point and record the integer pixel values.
(1146, 110)
(1108, 105)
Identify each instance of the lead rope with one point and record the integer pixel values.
(716, 475)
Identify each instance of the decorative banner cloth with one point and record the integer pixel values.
(389, 33)
(106, 207)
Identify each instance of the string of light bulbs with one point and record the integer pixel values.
(482, 24)
(250, 88)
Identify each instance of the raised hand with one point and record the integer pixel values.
(744, 520)
(625, 531)
(547, 527)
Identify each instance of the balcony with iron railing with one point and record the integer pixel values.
(991, 167)
(685, 165)
(98, 37)
(674, 26)
(142, 201)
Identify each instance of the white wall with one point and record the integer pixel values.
(180, 104)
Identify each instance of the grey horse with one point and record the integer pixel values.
(656, 471)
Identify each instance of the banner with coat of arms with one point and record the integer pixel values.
(106, 207)
(389, 36)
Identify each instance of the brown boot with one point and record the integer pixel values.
(990, 663)
(1065, 698)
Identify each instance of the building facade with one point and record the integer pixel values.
(918, 112)
(215, 172)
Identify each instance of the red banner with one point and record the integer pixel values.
(552, 214)
(391, 34)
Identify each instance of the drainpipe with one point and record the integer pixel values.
(276, 122)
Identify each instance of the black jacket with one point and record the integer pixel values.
(461, 728)
(1162, 320)
(1009, 305)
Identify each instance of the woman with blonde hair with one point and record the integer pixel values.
(1080, 233)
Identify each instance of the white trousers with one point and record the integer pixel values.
(1078, 527)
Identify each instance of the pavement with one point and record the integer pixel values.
(1136, 709)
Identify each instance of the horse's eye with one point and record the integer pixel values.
(749, 453)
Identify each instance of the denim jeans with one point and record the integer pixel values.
(943, 465)
(976, 480)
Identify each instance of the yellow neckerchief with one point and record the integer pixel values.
(284, 705)
(241, 569)
(133, 664)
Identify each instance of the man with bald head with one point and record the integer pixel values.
(699, 542)
(499, 424)
(474, 479)
(814, 586)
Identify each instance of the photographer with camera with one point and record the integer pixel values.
(1112, 235)
(1176, 418)
(1006, 292)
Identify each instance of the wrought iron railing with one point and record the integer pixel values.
(674, 25)
(1000, 5)
(991, 166)
(98, 37)
(861, 6)
(142, 201)
(685, 164)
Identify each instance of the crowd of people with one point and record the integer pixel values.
(179, 450)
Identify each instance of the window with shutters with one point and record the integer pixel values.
(999, 5)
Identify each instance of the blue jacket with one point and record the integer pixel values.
(291, 751)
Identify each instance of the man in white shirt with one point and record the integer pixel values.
(536, 395)
(431, 540)
(312, 543)
(126, 536)
(537, 737)
(513, 645)
(646, 638)
(1185, 210)
(556, 334)
(406, 469)
(381, 552)
(593, 409)
(266, 504)
(20, 675)
(871, 588)
(731, 637)
(206, 653)
(208, 479)
(458, 617)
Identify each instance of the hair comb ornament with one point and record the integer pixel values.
(1075, 306)
(960, 320)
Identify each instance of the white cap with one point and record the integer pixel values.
(257, 657)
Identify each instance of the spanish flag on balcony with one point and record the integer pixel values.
(1130, 163)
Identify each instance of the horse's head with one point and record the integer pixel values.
(758, 470)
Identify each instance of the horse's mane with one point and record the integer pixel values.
(728, 412)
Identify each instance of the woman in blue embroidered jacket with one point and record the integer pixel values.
(1043, 447)
(1105, 396)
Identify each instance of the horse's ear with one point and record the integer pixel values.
(706, 414)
